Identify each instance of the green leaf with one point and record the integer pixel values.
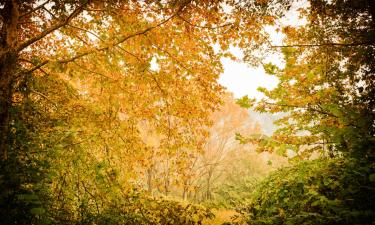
(245, 102)
(270, 68)
(37, 211)
(372, 177)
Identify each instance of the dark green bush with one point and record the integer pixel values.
(322, 191)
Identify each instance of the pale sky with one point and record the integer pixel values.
(241, 79)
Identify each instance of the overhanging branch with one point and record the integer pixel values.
(49, 30)
(372, 42)
(34, 9)
(89, 52)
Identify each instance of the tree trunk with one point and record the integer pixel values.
(185, 190)
(166, 186)
(150, 174)
(372, 12)
(184, 193)
(7, 68)
(8, 62)
(208, 190)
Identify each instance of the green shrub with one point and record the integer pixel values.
(151, 211)
(232, 193)
(322, 191)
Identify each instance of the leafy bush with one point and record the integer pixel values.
(164, 211)
(232, 193)
(322, 191)
(143, 210)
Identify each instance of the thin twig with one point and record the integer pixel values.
(34, 9)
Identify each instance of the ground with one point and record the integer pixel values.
(221, 216)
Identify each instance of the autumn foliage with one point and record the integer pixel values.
(111, 111)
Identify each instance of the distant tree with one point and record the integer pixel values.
(227, 121)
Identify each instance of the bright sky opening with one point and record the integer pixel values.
(242, 79)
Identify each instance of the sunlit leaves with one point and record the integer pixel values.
(322, 84)
(245, 102)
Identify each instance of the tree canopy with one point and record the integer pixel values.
(327, 86)
(79, 82)
(108, 107)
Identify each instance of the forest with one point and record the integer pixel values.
(111, 113)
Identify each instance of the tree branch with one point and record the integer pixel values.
(121, 40)
(49, 30)
(87, 31)
(45, 97)
(309, 108)
(372, 42)
(91, 71)
(173, 58)
(82, 54)
(204, 27)
(37, 67)
(49, 12)
(34, 9)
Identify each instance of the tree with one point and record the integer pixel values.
(326, 91)
(36, 35)
(68, 69)
(75, 83)
(320, 191)
(25, 42)
(327, 85)
(227, 121)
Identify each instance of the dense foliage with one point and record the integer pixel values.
(105, 105)
(326, 98)
(244, 170)
(326, 89)
(80, 84)
(322, 191)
